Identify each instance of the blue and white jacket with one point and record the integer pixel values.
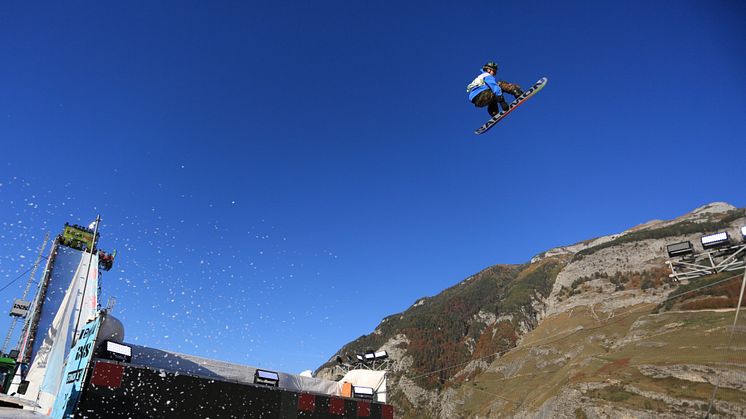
(483, 82)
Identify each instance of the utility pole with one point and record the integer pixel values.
(92, 250)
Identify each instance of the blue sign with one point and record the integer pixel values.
(77, 363)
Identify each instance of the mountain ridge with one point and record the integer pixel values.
(441, 342)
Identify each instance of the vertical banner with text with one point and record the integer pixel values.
(77, 363)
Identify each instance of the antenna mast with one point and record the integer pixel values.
(18, 310)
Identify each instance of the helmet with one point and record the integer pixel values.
(491, 65)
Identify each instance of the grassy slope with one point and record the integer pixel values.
(598, 353)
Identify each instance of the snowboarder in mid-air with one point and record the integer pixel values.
(486, 91)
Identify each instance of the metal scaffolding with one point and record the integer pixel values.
(708, 262)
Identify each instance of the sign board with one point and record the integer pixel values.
(75, 368)
(20, 308)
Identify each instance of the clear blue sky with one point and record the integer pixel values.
(279, 176)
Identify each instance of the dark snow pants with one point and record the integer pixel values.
(489, 99)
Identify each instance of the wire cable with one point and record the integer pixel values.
(21, 275)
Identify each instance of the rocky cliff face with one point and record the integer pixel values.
(577, 332)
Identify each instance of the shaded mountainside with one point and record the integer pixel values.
(453, 352)
(484, 314)
(448, 328)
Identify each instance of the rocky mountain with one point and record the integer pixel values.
(594, 329)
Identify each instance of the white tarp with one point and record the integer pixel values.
(77, 307)
(210, 368)
(63, 269)
(368, 378)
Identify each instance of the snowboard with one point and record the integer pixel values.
(517, 102)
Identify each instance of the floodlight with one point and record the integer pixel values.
(118, 352)
(363, 392)
(680, 249)
(743, 232)
(369, 356)
(267, 378)
(360, 358)
(715, 240)
(381, 355)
